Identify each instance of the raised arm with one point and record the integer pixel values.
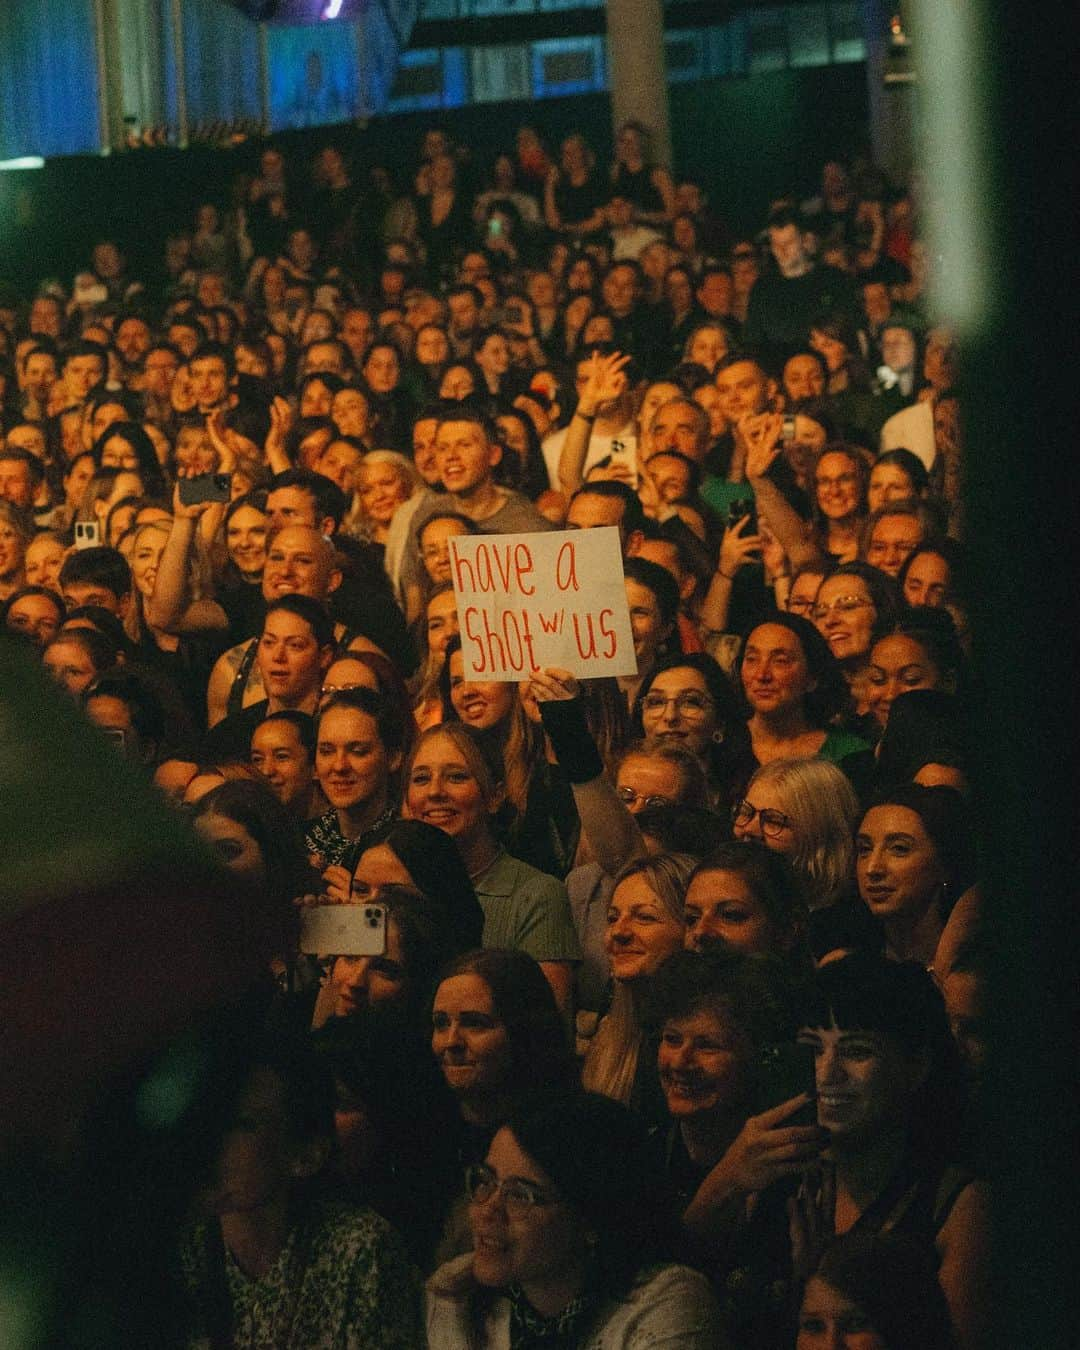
(552, 218)
(281, 419)
(171, 607)
(611, 828)
(606, 381)
(761, 433)
(737, 549)
(764, 1151)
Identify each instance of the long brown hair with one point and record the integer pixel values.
(612, 1059)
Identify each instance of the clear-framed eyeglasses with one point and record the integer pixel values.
(843, 604)
(690, 704)
(773, 823)
(518, 1196)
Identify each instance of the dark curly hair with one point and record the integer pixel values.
(830, 693)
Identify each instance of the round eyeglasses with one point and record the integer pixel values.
(629, 795)
(773, 823)
(518, 1195)
(689, 704)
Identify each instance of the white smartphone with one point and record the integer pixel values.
(343, 930)
(87, 534)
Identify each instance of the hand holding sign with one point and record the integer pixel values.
(527, 601)
(553, 686)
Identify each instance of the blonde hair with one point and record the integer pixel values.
(825, 811)
(612, 1059)
(197, 578)
(470, 752)
(405, 467)
(427, 685)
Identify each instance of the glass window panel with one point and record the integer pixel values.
(499, 73)
(685, 51)
(455, 78)
(848, 41)
(808, 35)
(419, 81)
(726, 48)
(767, 41)
(488, 8)
(567, 66)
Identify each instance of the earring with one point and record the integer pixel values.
(718, 736)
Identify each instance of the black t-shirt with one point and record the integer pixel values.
(781, 309)
(367, 611)
(187, 669)
(360, 606)
(638, 188)
(244, 608)
(576, 204)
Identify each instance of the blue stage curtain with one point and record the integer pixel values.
(221, 56)
(48, 78)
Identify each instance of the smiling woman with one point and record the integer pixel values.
(840, 478)
(742, 898)
(921, 651)
(385, 480)
(496, 1033)
(449, 784)
(688, 701)
(567, 1246)
(357, 753)
(717, 1015)
(537, 816)
(795, 689)
(644, 928)
(887, 1092)
(913, 859)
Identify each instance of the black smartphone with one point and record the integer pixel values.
(206, 487)
(784, 1070)
(740, 510)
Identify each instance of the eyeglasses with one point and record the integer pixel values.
(773, 823)
(800, 605)
(689, 704)
(518, 1196)
(841, 480)
(329, 689)
(629, 796)
(843, 604)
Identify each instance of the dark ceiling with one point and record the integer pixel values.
(301, 11)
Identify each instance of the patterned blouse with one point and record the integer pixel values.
(343, 1281)
(323, 836)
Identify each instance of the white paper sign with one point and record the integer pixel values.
(526, 601)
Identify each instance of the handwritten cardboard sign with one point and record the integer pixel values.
(526, 601)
